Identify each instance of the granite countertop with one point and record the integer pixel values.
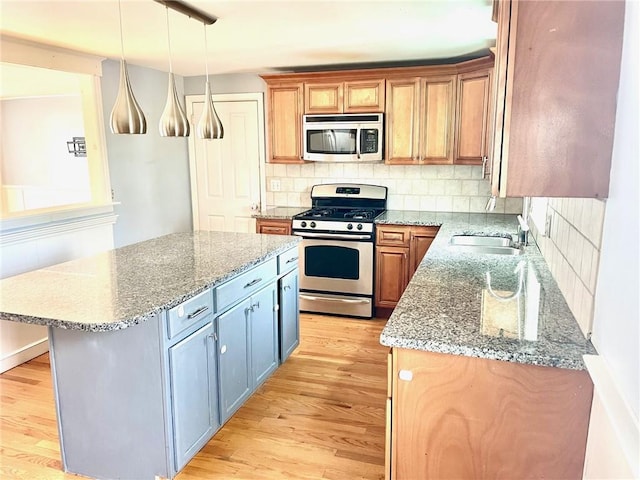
(280, 213)
(488, 306)
(123, 287)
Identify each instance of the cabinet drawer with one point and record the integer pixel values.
(245, 284)
(189, 312)
(288, 260)
(393, 236)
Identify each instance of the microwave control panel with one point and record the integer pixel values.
(369, 140)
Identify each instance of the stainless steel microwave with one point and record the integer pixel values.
(355, 137)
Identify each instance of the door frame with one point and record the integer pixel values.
(258, 97)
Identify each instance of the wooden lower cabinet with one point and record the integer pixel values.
(399, 251)
(466, 418)
(273, 226)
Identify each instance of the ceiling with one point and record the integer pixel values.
(259, 36)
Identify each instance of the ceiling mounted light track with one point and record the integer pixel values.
(173, 122)
(126, 116)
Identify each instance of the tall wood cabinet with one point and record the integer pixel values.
(557, 67)
(399, 250)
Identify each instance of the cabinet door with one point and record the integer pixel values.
(364, 96)
(264, 334)
(402, 109)
(289, 314)
(472, 115)
(233, 358)
(437, 97)
(421, 239)
(194, 396)
(285, 123)
(273, 227)
(323, 97)
(392, 274)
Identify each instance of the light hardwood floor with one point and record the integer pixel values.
(320, 416)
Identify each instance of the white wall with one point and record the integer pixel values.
(26, 249)
(149, 173)
(616, 325)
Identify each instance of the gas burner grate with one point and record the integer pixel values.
(360, 214)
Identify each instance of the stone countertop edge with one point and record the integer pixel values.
(433, 312)
(280, 213)
(284, 243)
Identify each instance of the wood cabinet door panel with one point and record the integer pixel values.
(421, 239)
(364, 96)
(393, 236)
(472, 118)
(402, 105)
(273, 227)
(323, 97)
(437, 97)
(392, 274)
(285, 123)
(463, 417)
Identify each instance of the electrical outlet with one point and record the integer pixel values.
(275, 185)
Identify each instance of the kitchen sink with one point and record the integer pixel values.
(482, 244)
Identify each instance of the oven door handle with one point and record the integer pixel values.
(329, 236)
(327, 299)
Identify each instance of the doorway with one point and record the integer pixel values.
(227, 175)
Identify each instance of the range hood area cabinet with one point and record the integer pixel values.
(557, 69)
(433, 114)
(364, 96)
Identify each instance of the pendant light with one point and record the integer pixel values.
(173, 122)
(209, 126)
(126, 116)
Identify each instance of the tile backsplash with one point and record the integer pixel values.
(572, 252)
(445, 188)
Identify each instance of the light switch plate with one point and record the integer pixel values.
(275, 185)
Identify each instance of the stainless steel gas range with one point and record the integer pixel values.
(337, 248)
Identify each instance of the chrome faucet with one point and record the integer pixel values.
(491, 204)
(523, 231)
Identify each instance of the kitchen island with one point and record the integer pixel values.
(486, 362)
(155, 345)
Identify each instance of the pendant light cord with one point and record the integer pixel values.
(206, 53)
(169, 41)
(121, 37)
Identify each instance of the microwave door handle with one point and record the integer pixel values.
(358, 143)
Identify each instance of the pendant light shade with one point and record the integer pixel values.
(209, 125)
(126, 116)
(173, 122)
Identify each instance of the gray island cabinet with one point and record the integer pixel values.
(154, 346)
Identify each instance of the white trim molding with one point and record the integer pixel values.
(613, 442)
(24, 354)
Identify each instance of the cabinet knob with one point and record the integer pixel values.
(406, 375)
(223, 349)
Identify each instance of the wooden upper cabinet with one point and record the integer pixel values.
(437, 109)
(323, 97)
(472, 117)
(402, 117)
(285, 103)
(558, 70)
(344, 97)
(419, 117)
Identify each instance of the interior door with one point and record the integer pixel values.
(226, 187)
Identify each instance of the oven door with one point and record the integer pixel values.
(336, 266)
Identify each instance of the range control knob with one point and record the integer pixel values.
(303, 224)
(359, 227)
(350, 227)
(313, 225)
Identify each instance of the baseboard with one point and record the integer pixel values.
(613, 442)
(24, 354)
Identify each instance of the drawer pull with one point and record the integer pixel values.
(199, 311)
(253, 282)
(292, 259)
